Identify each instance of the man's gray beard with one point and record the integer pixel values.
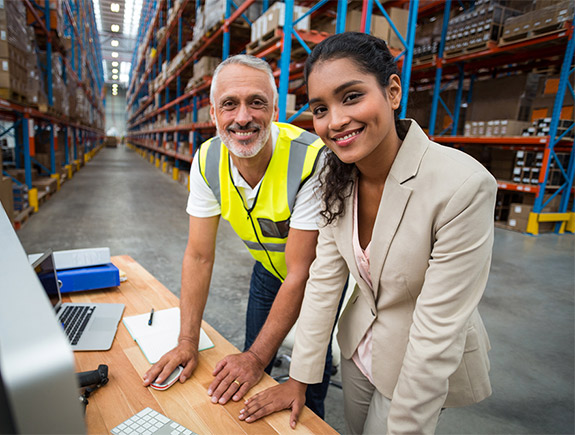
(244, 151)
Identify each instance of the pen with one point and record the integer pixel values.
(151, 317)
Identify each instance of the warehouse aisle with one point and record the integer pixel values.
(123, 202)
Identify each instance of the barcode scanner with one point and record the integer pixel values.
(91, 381)
(96, 378)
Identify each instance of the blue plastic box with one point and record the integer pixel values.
(89, 278)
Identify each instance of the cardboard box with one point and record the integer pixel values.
(204, 114)
(519, 216)
(511, 127)
(380, 26)
(504, 98)
(7, 197)
(275, 17)
(206, 66)
(46, 184)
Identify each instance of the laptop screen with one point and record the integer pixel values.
(44, 268)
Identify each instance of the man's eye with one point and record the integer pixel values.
(258, 103)
(319, 111)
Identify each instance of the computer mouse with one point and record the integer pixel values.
(169, 381)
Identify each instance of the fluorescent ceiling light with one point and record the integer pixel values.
(114, 54)
(115, 71)
(96, 4)
(132, 12)
(125, 67)
(114, 63)
(115, 77)
(115, 27)
(115, 7)
(114, 42)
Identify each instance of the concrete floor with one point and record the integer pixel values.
(123, 202)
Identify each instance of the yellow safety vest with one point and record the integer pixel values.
(263, 228)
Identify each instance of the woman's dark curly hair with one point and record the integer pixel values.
(371, 56)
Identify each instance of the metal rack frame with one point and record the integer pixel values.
(25, 120)
(565, 219)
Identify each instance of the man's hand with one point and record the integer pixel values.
(290, 394)
(235, 375)
(185, 354)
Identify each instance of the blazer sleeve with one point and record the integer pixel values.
(453, 285)
(323, 292)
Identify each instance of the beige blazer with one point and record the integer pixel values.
(430, 258)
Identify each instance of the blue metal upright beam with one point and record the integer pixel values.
(52, 149)
(408, 57)
(566, 187)
(26, 125)
(66, 147)
(341, 16)
(226, 36)
(439, 70)
(285, 60)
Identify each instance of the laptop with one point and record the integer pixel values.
(89, 326)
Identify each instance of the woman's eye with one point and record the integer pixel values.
(351, 97)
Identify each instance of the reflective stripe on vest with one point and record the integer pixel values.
(264, 227)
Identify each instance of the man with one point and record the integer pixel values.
(261, 177)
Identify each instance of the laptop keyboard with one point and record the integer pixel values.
(148, 422)
(74, 321)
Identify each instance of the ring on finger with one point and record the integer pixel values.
(237, 382)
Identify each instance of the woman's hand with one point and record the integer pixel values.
(290, 394)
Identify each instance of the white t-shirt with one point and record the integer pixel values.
(305, 216)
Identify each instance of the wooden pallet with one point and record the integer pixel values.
(515, 39)
(11, 95)
(267, 40)
(424, 59)
(197, 82)
(471, 50)
(22, 216)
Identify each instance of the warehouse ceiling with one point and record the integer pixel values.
(117, 22)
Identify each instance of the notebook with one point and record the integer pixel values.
(162, 336)
(89, 326)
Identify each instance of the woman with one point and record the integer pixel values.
(413, 222)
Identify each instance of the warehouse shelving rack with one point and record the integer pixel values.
(26, 119)
(153, 140)
(510, 58)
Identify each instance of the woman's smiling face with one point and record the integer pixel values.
(351, 112)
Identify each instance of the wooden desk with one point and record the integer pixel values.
(187, 403)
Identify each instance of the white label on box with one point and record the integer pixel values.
(3, 35)
(512, 223)
(517, 209)
(4, 65)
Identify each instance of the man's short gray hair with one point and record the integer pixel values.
(251, 62)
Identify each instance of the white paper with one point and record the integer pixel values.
(162, 335)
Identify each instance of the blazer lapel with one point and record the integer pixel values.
(395, 198)
(344, 240)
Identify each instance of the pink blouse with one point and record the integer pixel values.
(362, 356)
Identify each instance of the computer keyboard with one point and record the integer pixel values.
(148, 422)
(74, 321)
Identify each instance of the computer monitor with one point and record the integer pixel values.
(38, 387)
